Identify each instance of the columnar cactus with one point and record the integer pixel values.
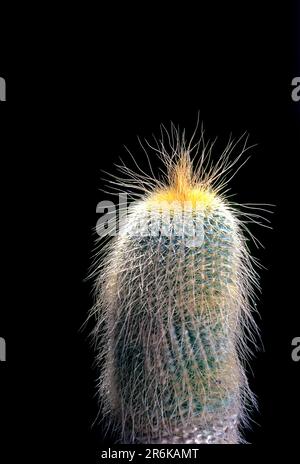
(173, 302)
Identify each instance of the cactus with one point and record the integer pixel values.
(174, 294)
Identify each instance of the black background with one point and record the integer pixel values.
(71, 106)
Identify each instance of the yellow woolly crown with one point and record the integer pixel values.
(183, 187)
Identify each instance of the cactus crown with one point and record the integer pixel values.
(184, 185)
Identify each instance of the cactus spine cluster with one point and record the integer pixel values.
(173, 303)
